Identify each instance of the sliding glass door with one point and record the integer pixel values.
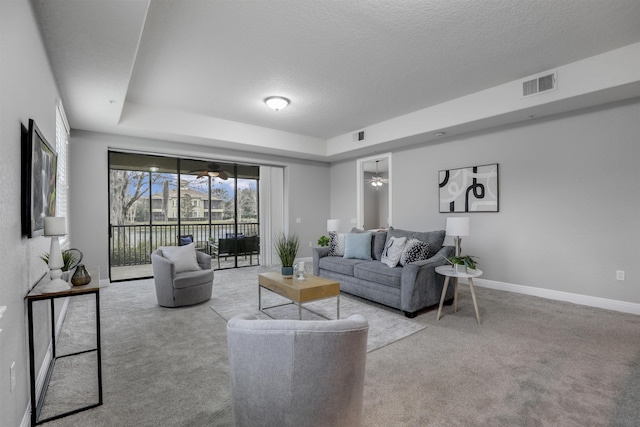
(163, 201)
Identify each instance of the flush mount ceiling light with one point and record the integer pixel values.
(154, 168)
(276, 103)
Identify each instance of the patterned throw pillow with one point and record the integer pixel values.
(336, 244)
(393, 250)
(414, 250)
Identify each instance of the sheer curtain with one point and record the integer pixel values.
(271, 211)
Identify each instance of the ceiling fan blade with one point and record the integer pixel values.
(222, 175)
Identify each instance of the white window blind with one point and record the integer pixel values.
(62, 149)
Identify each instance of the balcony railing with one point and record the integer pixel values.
(132, 244)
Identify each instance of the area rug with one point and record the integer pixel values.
(236, 293)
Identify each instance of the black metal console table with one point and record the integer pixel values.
(36, 295)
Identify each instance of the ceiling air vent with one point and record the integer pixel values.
(358, 136)
(539, 84)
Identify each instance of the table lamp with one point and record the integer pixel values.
(333, 224)
(457, 227)
(55, 227)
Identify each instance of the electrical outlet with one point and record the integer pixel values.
(310, 244)
(619, 274)
(12, 375)
(298, 220)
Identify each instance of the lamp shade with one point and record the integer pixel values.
(333, 224)
(55, 226)
(458, 226)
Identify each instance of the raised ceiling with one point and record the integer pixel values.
(198, 70)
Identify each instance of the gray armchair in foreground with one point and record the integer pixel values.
(176, 289)
(297, 372)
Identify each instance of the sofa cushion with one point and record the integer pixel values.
(338, 264)
(435, 239)
(414, 250)
(377, 272)
(187, 279)
(182, 257)
(378, 240)
(357, 245)
(393, 251)
(336, 244)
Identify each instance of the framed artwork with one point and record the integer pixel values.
(472, 189)
(39, 167)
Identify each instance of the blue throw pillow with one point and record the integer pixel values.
(358, 246)
(185, 240)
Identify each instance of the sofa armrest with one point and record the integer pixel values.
(319, 252)
(163, 274)
(440, 258)
(420, 282)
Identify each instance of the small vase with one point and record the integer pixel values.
(81, 276)
(287, 272)
(461, 268)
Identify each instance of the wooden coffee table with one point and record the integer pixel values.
(312, 288)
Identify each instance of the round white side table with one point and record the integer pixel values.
(449, 272)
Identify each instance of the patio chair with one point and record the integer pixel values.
(224, 248)
(185, 239)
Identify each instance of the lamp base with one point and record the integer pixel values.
(56, 285)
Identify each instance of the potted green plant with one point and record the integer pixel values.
(463, 262)
(286, 247)
(323, 241)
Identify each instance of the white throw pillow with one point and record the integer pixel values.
(183, 257)
(393, 250)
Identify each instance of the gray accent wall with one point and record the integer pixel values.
(569, 200)
(28, 91)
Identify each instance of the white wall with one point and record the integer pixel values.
(307, 184)
(569, 200)
(28, 90)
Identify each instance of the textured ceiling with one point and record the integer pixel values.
(345, 65)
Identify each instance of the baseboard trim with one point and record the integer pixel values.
(26, 419)
(608, 304)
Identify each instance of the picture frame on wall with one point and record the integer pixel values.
(39, 169)
(469, 189)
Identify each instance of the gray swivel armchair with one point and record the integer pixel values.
(297, 372)
(176, 289)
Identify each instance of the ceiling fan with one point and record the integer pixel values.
(213, 170)
(376, 180)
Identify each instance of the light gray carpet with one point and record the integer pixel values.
(240, 296)
(532, 362)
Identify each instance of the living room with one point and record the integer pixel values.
(568, 216)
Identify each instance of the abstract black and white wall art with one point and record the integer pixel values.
(472, 189)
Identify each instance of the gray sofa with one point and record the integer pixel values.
(409, 288)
